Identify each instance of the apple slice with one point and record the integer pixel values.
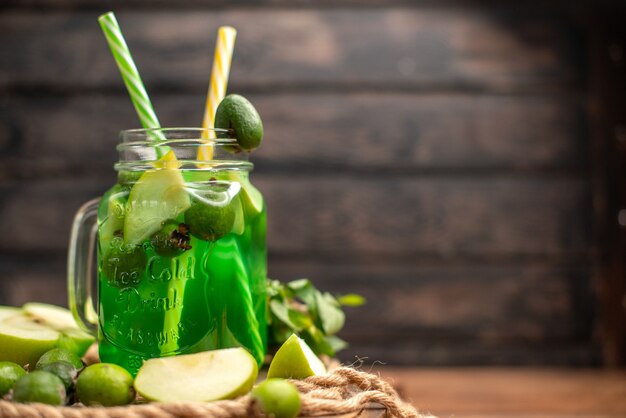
(113, 219)
(239, 224)
(23, 340)
(203, 377)
(54, 316)
(157, 196)
(251, 199)
(75, 340)
(27, 333)
(295, 360)
(71, 337)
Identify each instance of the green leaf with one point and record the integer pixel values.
(280, 334)
(317, 341)
(303, 289)
(298, 307)
(330, 313)
(274, 288)
(298, 318)
(281, 311)
(299, 284)
(351, 299)
(336, 343)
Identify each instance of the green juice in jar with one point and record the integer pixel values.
(180, 290)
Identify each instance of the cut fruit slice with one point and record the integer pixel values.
(75, 340)
(54, 316)
(25, 334)
(295, 360)
(157, 196)
(113, 220)
(71, 337)
(251, 197)
(239, 224)
(23, 340)
(202, 377)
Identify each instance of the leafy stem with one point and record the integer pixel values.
(298, 307)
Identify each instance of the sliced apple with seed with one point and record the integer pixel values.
(202, 377)
(25, 334)
(22, 340)
(55, 316)
(295, 360)
(71, 337)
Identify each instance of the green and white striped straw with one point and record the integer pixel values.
(130, 75)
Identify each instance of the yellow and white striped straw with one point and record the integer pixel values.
(217, 85)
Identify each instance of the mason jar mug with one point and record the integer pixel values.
(181, 251)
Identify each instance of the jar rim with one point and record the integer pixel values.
(190, 133)
(139, 147)
(175, 128)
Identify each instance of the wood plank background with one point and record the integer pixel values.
(433, 157)
(512, 392)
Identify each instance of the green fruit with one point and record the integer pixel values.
(59, 354)
(278, 398)
(157, 196)
(64, 370)
(105, 384)
(75, 340)
(208, 221)
(112, 214)
(39, 386)
(9, 374)
(71, 337)
(26, 334)
(203, 377)
(23, 340)
(60, 317)
(236, 113)
(124, 264)
(295, 360)
(128, 177)
(172, 239)
(251, 199)
(239, 222)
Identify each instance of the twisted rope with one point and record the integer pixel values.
(343, 391)
(348, 390)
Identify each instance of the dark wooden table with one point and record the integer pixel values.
(511, 392)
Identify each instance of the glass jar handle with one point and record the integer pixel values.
(80, 266)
